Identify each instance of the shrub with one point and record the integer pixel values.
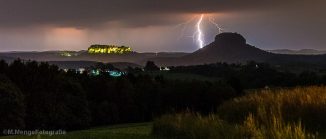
(271, 126)
(292, 105)
(195, 126)
(270, 114)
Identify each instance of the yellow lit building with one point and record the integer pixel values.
(108, 49)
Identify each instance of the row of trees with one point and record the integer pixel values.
(41, 96)
(46, 98)
(254, 75)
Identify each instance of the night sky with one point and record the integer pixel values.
(156, 25)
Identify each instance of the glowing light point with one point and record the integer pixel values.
(200, 39)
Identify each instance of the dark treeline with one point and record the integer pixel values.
(254, 75)
(41, 96)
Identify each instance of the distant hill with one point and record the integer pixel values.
(83, 64)
(7, 59)
(72, 64)
(232, 48)
(75, 57)
(298, 52)
(227, 47)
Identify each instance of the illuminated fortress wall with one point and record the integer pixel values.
(108, 49)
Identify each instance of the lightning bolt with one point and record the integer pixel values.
(184, 26)
(216, 25)
(198, 34)
(200, 39)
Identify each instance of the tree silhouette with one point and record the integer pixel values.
(150, 66)
(11, 105)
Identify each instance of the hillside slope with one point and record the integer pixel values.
(233, 48)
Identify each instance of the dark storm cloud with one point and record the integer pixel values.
(86, 13)
(150, 25)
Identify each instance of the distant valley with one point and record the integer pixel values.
(227, 47)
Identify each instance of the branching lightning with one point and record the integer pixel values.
(212, 20)
(199, 32)
(184, 26)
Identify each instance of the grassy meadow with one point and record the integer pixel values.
(296, 113)
(292, 113)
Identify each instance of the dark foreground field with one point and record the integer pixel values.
(195, 102)
(296, 113)
(293, 113)
(124, 131)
